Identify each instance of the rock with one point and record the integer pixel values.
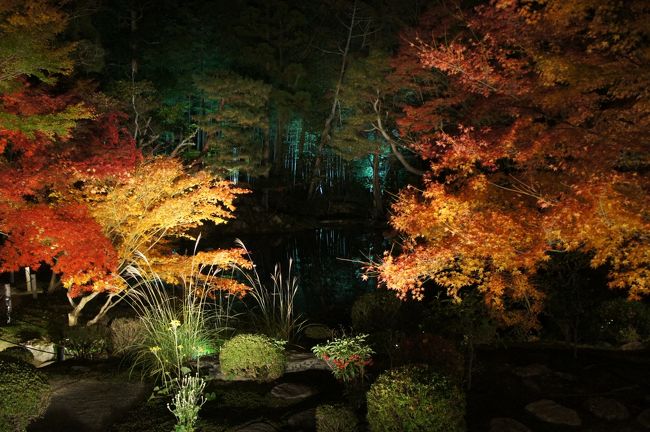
(292, 391)
(43, 351)
(302, 361)
(566, 376)
(257, 427)
(607, 409)
(552, 412)
(505, 424)
(644, 418)
(532, 370)
(305, 420)
(633, 346)
(531, 385)
(89, 405)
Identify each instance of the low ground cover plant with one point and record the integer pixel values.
(25, 394)
(336, 418)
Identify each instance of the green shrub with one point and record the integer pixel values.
(347, 356)
(252, 356)
(86, 343)
(376, 310)
(24, 394)
(336, 418)
(127, 334)
(318, 331)
(414, 398)
(17, 353)
(623, 321)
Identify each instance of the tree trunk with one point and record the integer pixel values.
(400, 157)
(327, 129)
(55, 283)
(378, 203)
(108, 305)
(73, 316)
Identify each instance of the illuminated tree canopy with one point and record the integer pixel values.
(534, 120)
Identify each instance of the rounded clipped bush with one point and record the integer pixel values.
(24, 394)
(414, 398)
(17, 353)
(252, 356)
(376, 310)
(127, 334)
(336, 418)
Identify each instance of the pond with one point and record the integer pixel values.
(327, 261)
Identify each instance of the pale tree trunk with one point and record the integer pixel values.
(73, 316)
(55, 283)
(112, 300)
(109, 304)
(378, 204)
(326, 135)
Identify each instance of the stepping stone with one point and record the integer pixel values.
(302, 361)
(633, 346)
(566, 376)
(607, 409)
(304, 420)
(552, 412)
(644, 418)
(505, 424)
(531, 385)
(89, 405)
(532, 370)
(292, 391)
(257, 427)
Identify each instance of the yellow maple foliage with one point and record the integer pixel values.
(159, 203)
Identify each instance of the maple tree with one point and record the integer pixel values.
(533, 117)
(159, 203)
(71, 196)
(48, 142)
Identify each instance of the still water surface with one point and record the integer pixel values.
(327, 262)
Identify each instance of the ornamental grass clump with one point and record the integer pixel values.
(176, 332)
(251, 356)
(413, 399)
(347, 357)
(274, 314)
(174, 329)
(177, 328)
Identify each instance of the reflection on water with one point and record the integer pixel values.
(327, 262)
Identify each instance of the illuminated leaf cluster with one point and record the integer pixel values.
(533, 116)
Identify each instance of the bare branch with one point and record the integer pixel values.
(393, 146)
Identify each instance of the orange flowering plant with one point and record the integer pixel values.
(347, 356)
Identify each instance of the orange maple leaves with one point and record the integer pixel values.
(536, 144)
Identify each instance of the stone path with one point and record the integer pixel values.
(86, 401)
(560, 401)
(88, 404)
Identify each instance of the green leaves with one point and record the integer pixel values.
(347, 356)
